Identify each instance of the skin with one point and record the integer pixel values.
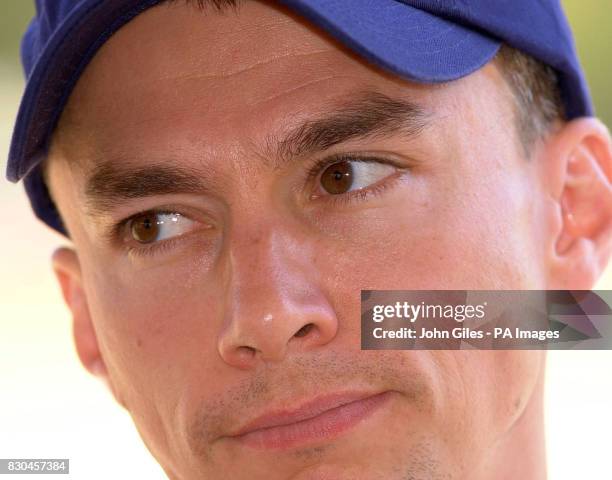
(199, 337)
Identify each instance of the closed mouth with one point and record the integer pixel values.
(324, 418)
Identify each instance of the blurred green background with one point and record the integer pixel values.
(14, 17)
(592, 21)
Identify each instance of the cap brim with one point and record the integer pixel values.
(400, 38)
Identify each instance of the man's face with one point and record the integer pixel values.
(300, 175)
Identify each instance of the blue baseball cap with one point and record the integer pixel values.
(426, 41)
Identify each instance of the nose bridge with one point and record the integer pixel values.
(274, 297)
(262, 267)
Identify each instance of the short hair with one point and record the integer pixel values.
(219, 5)
(537, 96)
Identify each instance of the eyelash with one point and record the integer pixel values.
(119, 230)
(152, 249)
(319, 166)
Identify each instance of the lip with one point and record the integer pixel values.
(323, 418)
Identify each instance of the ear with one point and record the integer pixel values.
(578, 175)
(68, 272)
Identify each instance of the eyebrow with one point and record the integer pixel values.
(369, 114)
(111, 185)
(366, 115)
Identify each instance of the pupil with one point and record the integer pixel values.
(145, 229)
(337, 178)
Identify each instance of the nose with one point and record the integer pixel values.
(274, 302)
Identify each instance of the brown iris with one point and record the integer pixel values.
(145, 228)
(337, 178)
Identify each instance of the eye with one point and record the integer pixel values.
(348, 175)
(150, 227)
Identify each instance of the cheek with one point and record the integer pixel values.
(158, 338)
(484, 395)
(448, 231)
(498, 383)
(154, 330)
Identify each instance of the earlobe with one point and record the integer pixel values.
(68, 272)
(584, 197)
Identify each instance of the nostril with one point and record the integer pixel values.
(304, 330)
(247, 351)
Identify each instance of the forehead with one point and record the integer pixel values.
(209, 79)
(176, 59)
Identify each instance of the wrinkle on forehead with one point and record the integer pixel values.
(228, 74)
(216, 44)
(262, 40)
(136, 64)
